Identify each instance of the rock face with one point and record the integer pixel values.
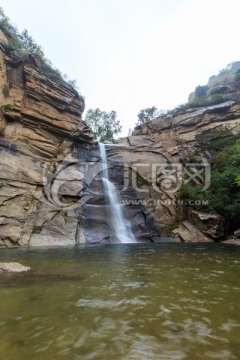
(50, 170)
(51, 190)
(40, 125)
(157, 158)
(186, 125)
(96, 211)
(209, 224)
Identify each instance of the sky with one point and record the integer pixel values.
(128, 55)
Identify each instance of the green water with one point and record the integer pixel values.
(125, 302)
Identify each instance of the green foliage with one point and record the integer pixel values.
(148, 114)
(215, 139)
(104, 125)
(223, 196)
(216, 99)
(6, 107)
(30, 45)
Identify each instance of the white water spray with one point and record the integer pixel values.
(120, 227)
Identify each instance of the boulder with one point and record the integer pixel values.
(187, 232)
(209, 224)
(13, 267)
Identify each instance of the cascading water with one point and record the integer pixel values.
(120, 227)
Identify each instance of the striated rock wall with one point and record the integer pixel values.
(50, 169)
(40, 125)
(158, 156)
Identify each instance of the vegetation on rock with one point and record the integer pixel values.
(104, 125)
(223, 195)
(148, 114)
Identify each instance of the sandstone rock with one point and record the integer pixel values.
(209, 224)
(187, 232)
(40, 127)
(45, 202)
(186, 125)
(13, 267)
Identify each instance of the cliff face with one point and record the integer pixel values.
(159, 156)
(51, 190)
(40, 123)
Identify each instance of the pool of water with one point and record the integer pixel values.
(169, 302)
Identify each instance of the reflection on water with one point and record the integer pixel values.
(137, 302)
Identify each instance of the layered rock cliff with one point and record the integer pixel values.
(51, 191)
(40, 123)
(50, 169)
(160, 155)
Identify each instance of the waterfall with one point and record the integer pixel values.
(119, 225)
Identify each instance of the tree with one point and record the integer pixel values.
(104, 125)
(148, 114)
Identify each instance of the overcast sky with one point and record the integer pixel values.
(127, 55)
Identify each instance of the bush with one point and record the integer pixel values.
(215, 139)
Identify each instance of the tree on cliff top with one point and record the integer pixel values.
(148, 114)
(104, 125)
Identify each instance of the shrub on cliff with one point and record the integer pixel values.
(215, 139)
(148, 114)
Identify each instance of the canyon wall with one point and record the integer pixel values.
(50, 169)
(51, 191)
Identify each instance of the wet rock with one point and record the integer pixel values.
(13, 267)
